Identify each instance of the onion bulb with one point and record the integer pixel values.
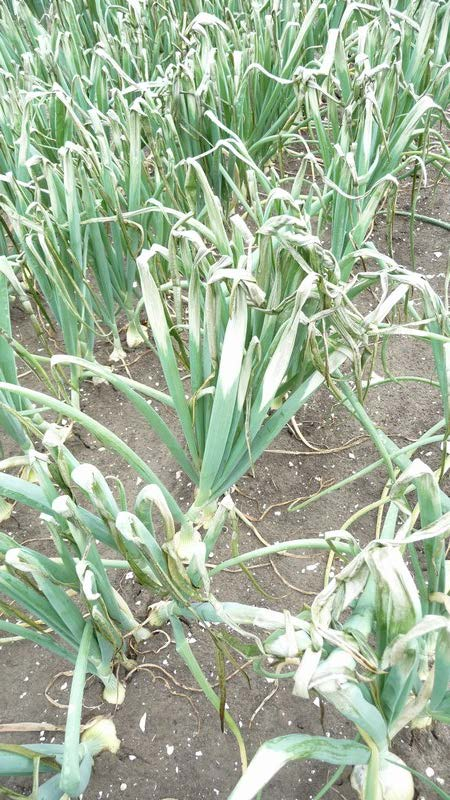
(100, 736)
(395, 782)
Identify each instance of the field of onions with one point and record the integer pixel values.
(224, 399)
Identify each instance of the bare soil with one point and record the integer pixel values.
(182, 753)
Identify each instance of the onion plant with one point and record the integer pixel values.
(60, 254)
(73, 150)
(39, 590)
(137, 176)
(237, 76)
(269, 313)
(321, 89)
(94, 125)
(371, 108)
(374, 644)
(317, 84)
(36, 760)
(8, 362)
(10, 286)
(45, 593)
(168, 560)
(67, 605)
(270, 317)
(169, 556)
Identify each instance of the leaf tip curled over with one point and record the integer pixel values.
(84, 475)
(151, 495)
(87, 581)
(63, 505)
(56, 435)
(125, 525)
(143, 259)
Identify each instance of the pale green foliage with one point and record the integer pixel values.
(401, 679)
(144, 171)
(101, 119)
